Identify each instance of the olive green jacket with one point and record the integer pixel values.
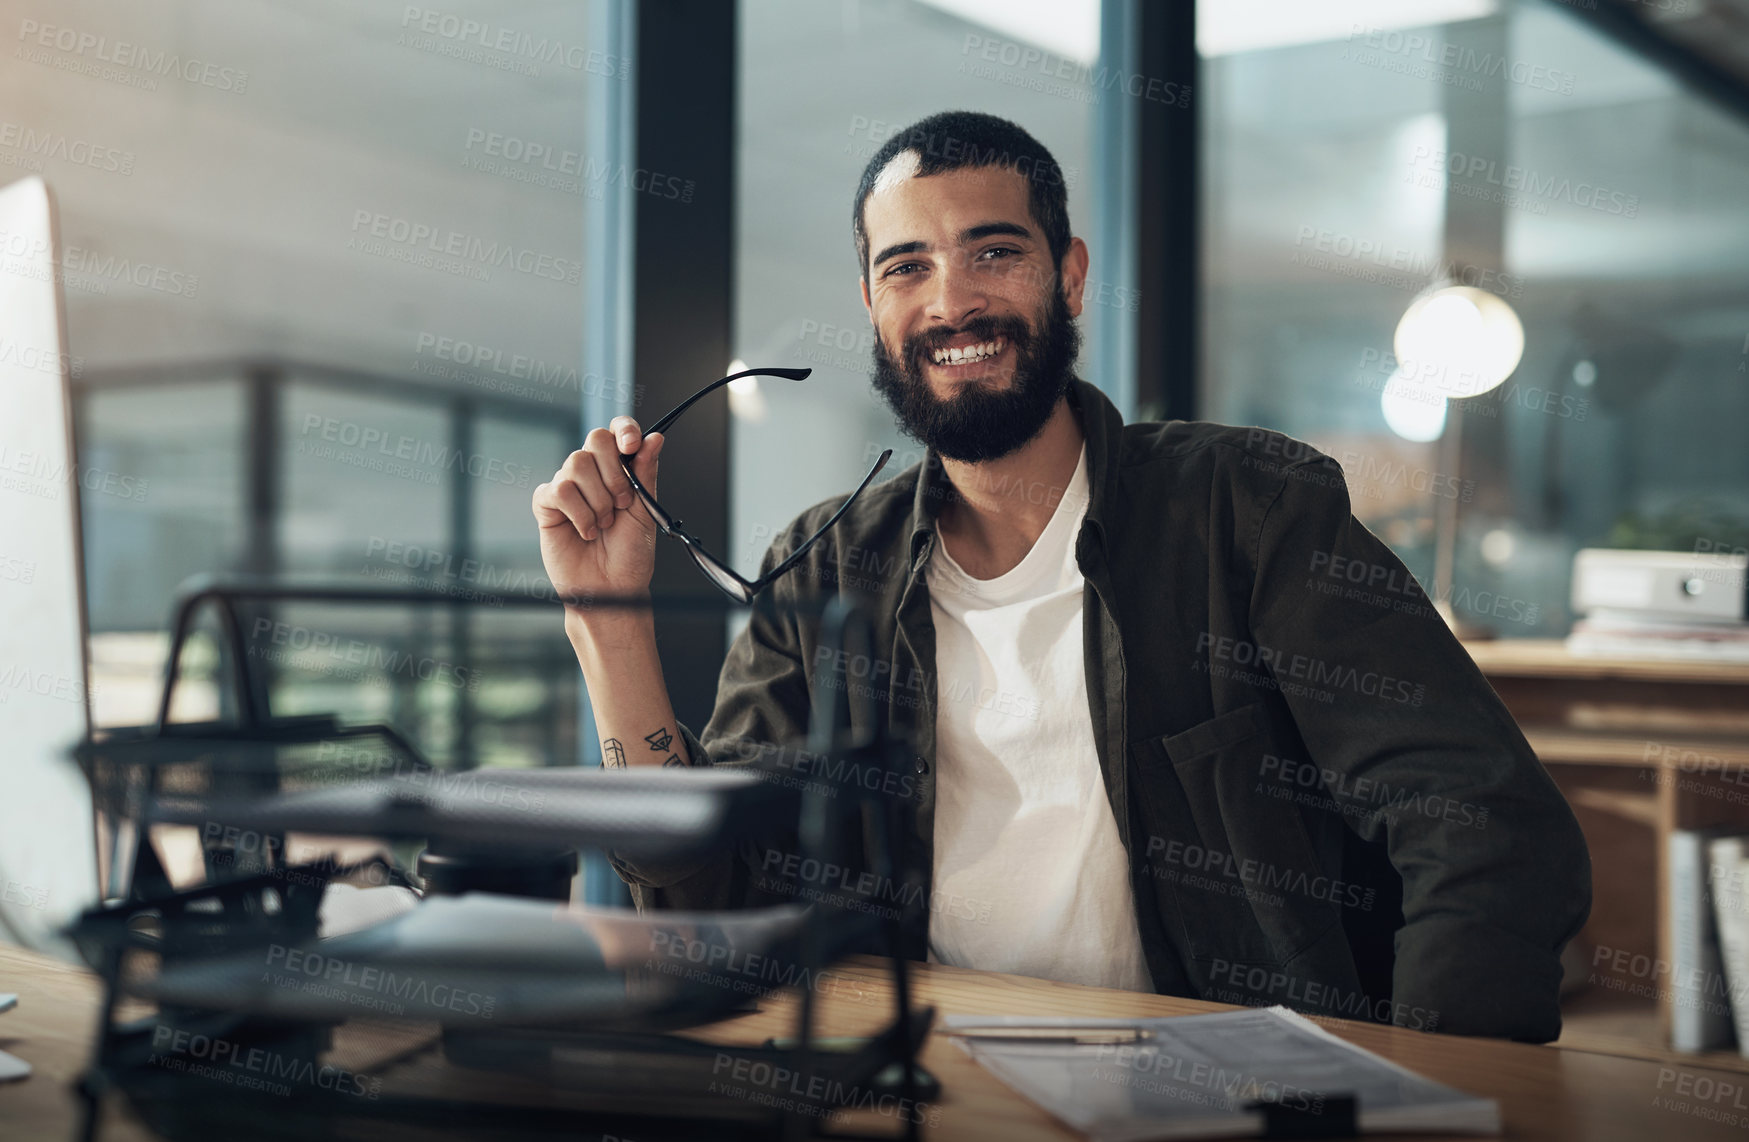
(1323, 801)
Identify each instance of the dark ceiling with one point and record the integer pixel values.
(1705, 43)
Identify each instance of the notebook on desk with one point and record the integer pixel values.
(1265, 1072)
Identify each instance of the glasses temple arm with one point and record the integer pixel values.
(790, 560)
(674, 413)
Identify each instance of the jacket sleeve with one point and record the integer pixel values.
(1487, 908)
(761, 710)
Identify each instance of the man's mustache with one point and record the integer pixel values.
(1015, 330)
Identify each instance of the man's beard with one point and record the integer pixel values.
(981, 422)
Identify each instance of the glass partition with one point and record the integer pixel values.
(1351, 165)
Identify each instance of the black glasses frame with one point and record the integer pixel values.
(725, 578)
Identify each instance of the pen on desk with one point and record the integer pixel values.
(1079, 1036)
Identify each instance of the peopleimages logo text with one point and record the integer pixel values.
(132, 57)
(513, 42)
(1527, 179)
(54, 145)
(399, 446)
(1316, 671)
(1433, 52)
(468, 247)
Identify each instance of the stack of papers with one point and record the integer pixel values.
(1195, 1075)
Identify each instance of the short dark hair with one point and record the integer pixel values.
(952, 140)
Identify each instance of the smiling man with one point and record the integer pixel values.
(1166, 737)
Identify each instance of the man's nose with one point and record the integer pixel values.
(958, 293)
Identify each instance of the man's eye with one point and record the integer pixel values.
(903, 267)
(1000, 252)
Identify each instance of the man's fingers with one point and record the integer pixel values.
(586, 496)
(597, 469)
(627, 438)
(603, 447)
(547, 512)
(579, 506)
(613, 473)
(626, 433)
(559, 503)
(645, 463)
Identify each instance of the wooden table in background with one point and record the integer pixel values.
(1639, 747)
(1544, 1092)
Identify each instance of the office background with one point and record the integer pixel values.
(344, 281)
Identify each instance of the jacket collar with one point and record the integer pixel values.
(1101, 425)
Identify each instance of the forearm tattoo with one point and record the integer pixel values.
(613, 751)
(659, 742)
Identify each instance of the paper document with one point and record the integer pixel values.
(1192, 1076)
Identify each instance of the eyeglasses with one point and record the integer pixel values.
(726, 579)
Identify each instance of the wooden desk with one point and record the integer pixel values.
(1640, 747)
(1544, 1092)
(52, 1029)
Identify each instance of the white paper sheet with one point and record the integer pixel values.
(1194, 1074)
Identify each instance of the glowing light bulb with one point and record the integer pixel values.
(1459, 341)
(1412, 410)
(745, 399)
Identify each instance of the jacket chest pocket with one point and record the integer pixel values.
(1231, 861)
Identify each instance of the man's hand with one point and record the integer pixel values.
(596, 538)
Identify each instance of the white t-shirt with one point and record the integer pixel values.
(1030, 874)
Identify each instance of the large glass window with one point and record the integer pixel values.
(163, 466)
(360, 223)
(160, 498)
(1351, 164)
(1624, 425)
(525, 709)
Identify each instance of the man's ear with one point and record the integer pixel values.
(1073, 274)
(862, 284)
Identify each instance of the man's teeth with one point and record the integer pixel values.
(968, 353)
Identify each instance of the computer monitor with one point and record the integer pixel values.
(48, 859)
